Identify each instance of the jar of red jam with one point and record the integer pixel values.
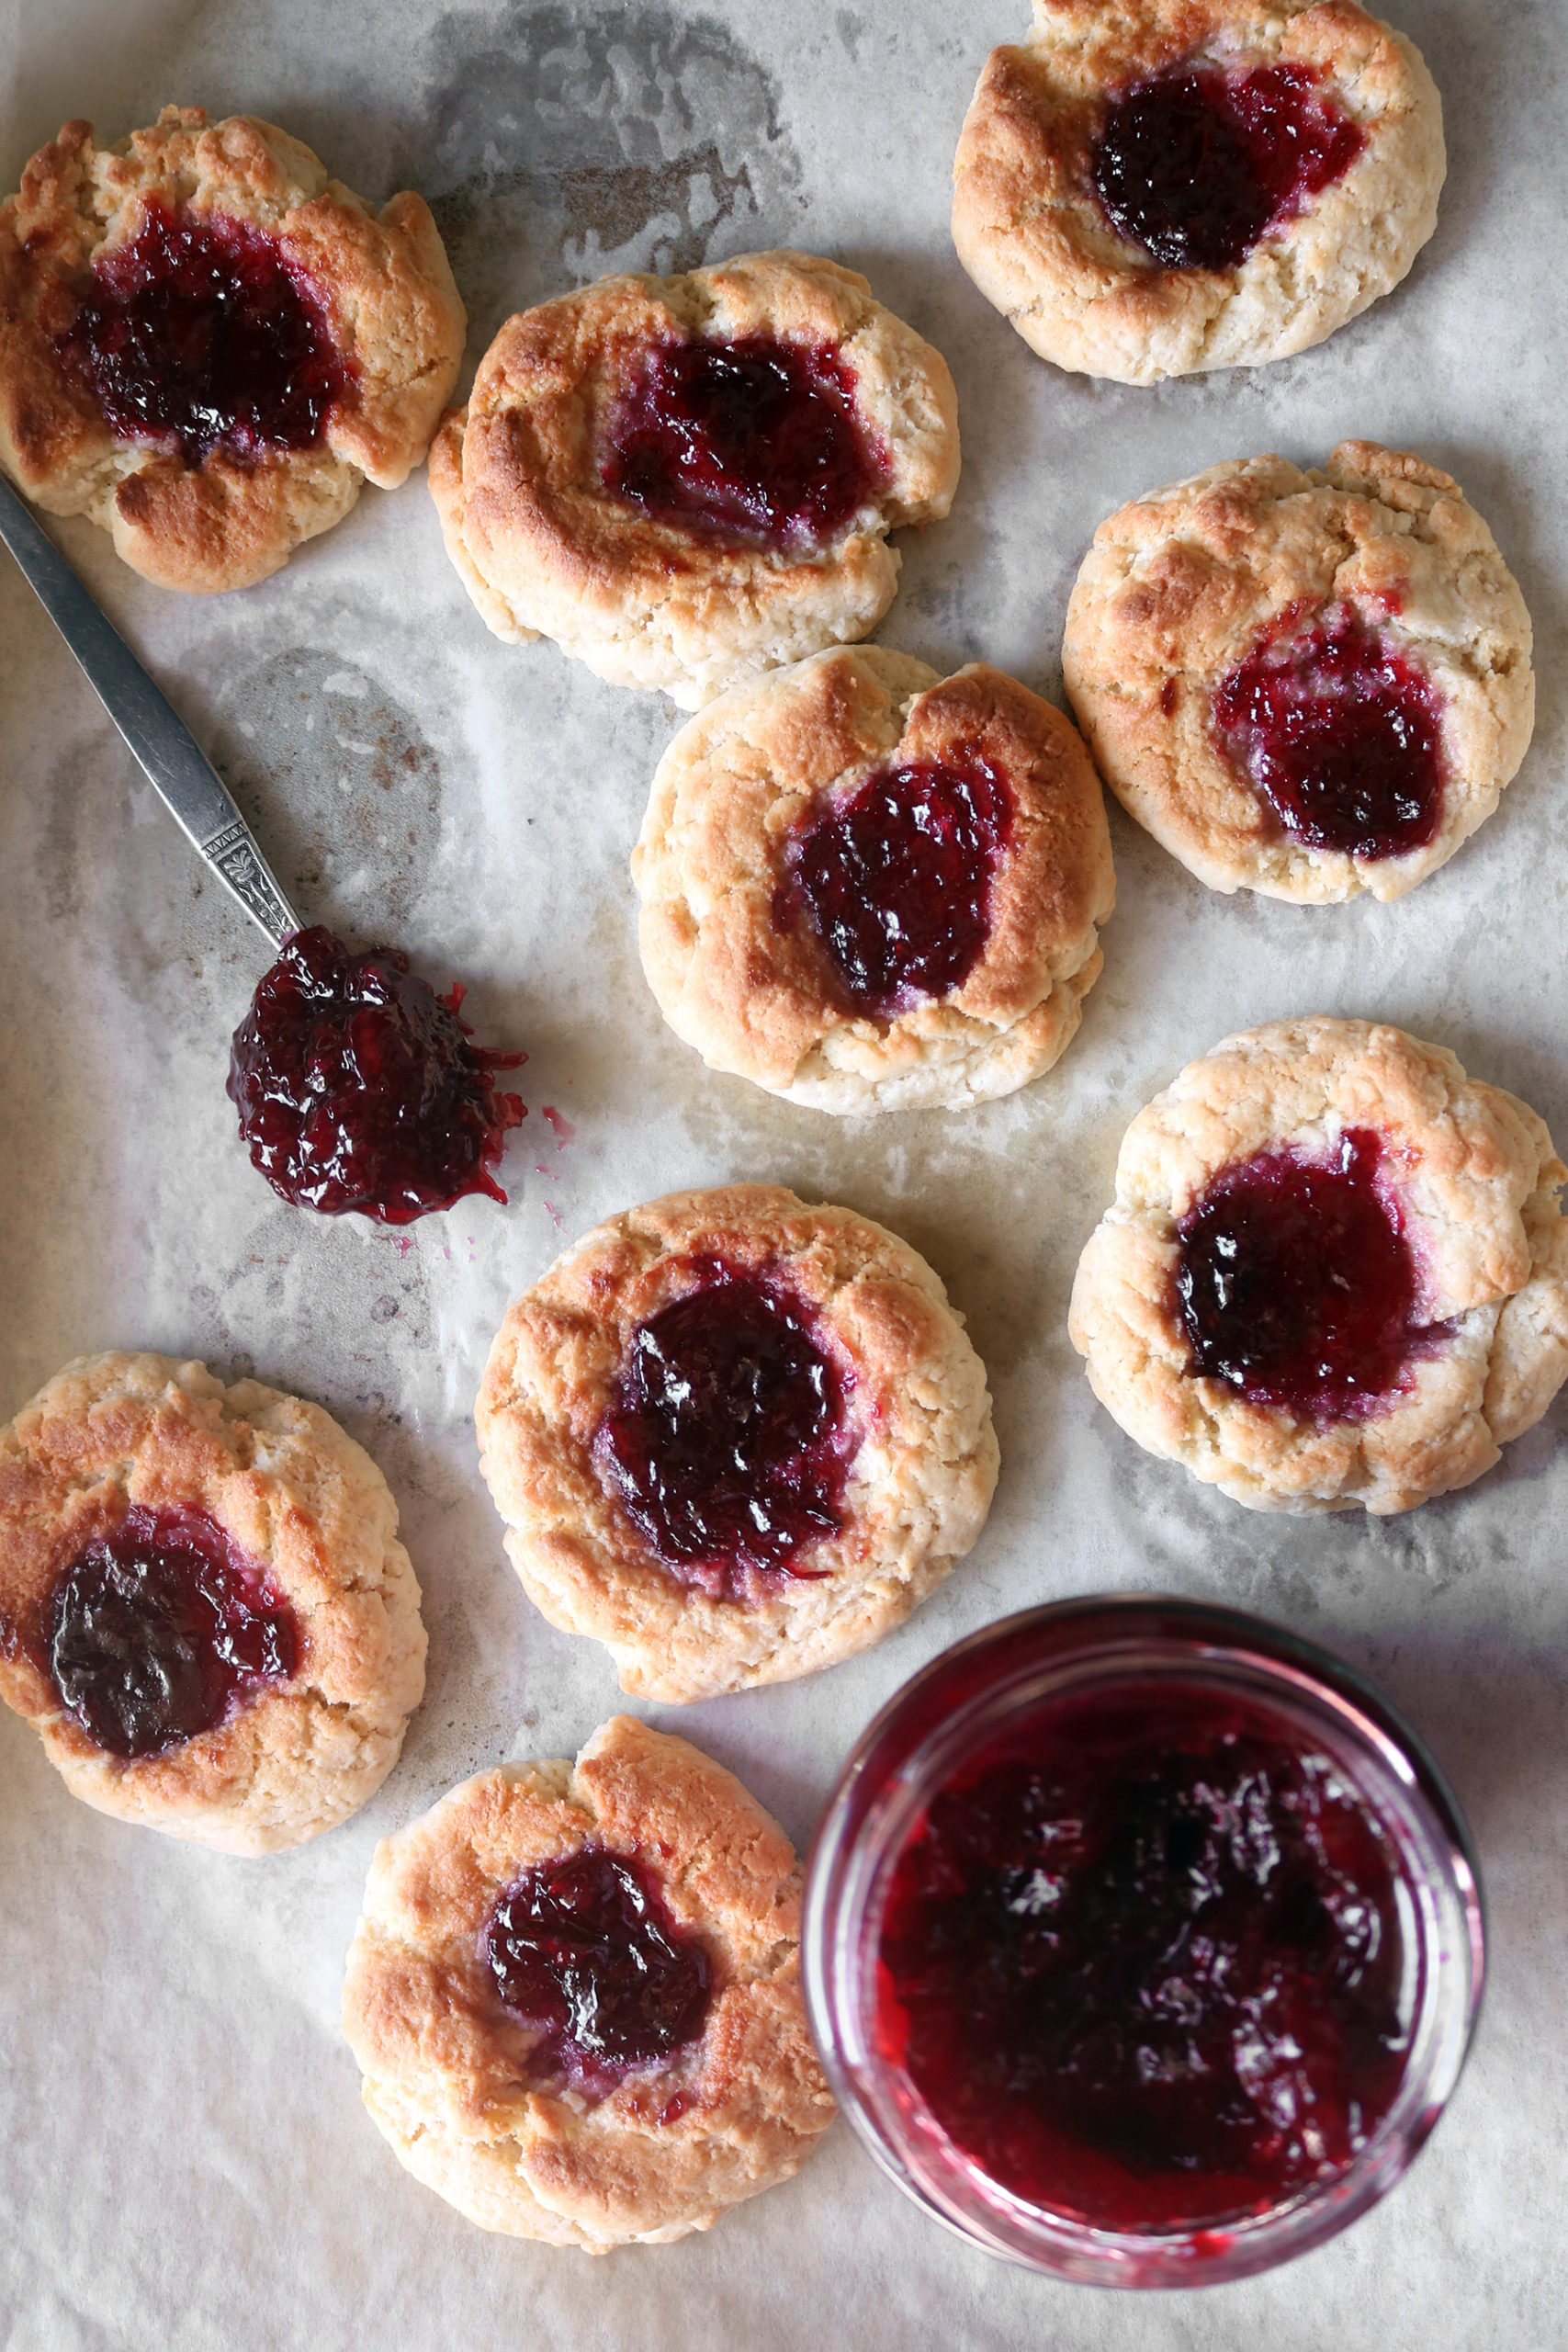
(1144, 1942)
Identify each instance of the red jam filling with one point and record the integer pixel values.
(754, 442)
(1143, 1960)
(160, 1630)
(583, 1949)
(896, 881)
(1198, 165)
(728, 1440)
(357, 1088)
(1296, 1284)
(200, 332)
(1341, 733)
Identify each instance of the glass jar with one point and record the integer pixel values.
(1044, 1676)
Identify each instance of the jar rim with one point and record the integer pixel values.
(960, 1699)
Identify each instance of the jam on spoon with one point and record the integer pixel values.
(896, 881)
(200, 332)
(756, 442)
(357, 1088)
(1198, 165)
(1296, 1283)
(729, 1439)
(1143, 1959)
(158, 1630)
(1340, 731)
(583, 1948)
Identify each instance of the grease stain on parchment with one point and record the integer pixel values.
(342, 784)
(571, 142)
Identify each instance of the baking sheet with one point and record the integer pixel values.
(184, 2161)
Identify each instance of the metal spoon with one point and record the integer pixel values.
(160, 742)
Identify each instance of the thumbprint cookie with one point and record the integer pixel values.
(866, 887)
(1308, 684)
(205, 1611)
(575, 1996)
(1334, 1272)
(685, 480)
(208, 346)
(1170, 185)
(735, 1439)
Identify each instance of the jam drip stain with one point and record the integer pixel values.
(158, 1630)
(755, 442)
(1198, 165)
(729, 1442)
(1143, 1960)
(199, 332)
(357, 1088)
(1296, 1286)
(895, 881)
(1341, 732)
(583, 1948)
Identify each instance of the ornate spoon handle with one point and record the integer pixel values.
(158, 738)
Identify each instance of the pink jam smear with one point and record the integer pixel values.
(755, 442)
(1341, 732)
(158, 1630)
(728, 1440)
(199, 332)
(1197, 167)
(896, 881)
(1296, 1284)
(583, 1948)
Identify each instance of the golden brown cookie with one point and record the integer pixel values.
(690, 555)
(209, 347)
(868, 888)
(735, 1439)
(575, 1996)
(1162, 185)
(205, 1611)
(1310, 684)
(1334, 1271)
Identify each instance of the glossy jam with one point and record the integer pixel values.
(1296, 1283)
(583, 1948)
(728, 1440)
(1198, 165)
(357, 1088)
(158, 1630)
(199, 332)
(754, 442)
(1342, 734)
(895, 881)
(1143, 1961)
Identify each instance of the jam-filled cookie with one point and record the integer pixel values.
(1334, 1271)
(1310, 684)
(684, 481)
(735, 1439)
(868, 888)
(205, 1611)
(575, 1996)
(208, 346)
(1170, 185)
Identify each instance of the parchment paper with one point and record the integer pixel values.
(183, 2161)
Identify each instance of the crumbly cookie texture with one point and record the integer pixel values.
(919, 1485)
(545, 552)
(394, 312)
(1031, 234)
(306, 1503)
(757, 997)
(1179, 584)
(446, 2069)
(1477, 1182)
